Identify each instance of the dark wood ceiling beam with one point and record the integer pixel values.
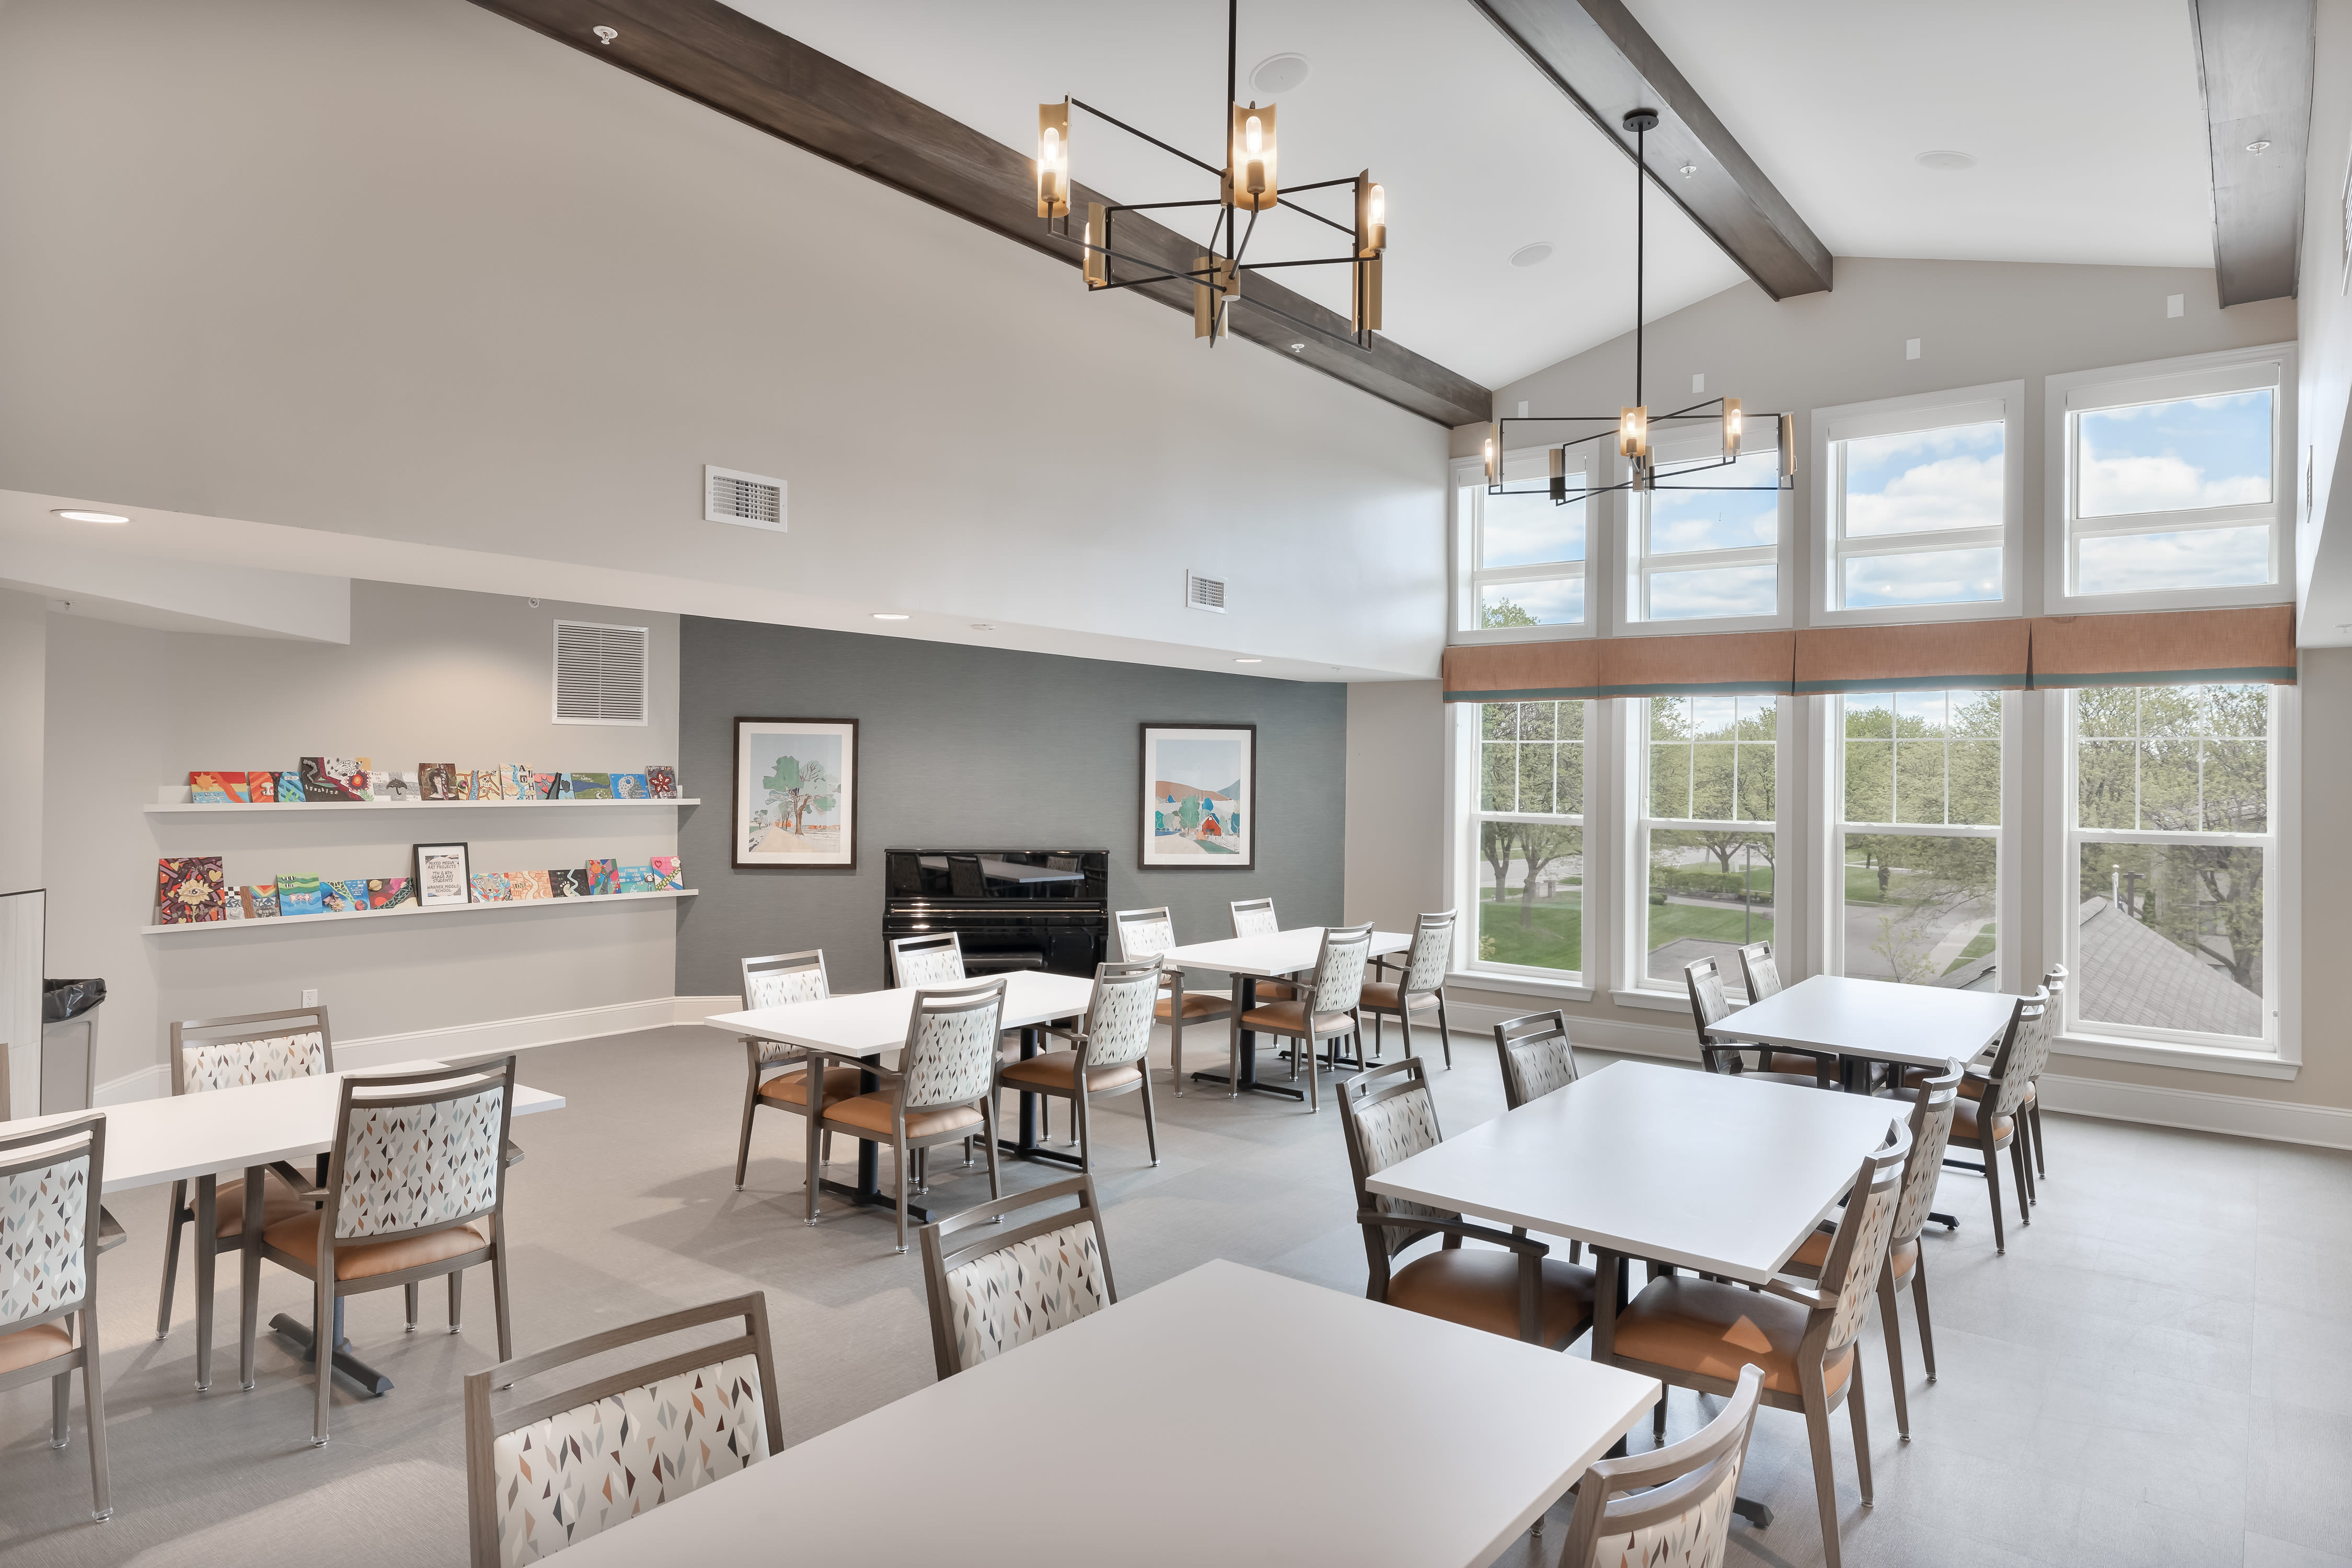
(2254, 67)
(1594, 52)
(722, 58)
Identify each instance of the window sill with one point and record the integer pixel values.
(2196, 1059)
(1663, 1001)
(1519, 986)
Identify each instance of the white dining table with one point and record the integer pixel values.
(1395, 1441)
(194, 1137)
(1277, 955)
(861, 1025)
(1873, 1020)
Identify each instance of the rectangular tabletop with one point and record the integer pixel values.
(1922, 1025)
(180, 1136)
(868, 1023)
(1008, 870)
(1279, 953)
(1703, 1170)
(1192, 1384)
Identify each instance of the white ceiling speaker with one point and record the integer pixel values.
(1946, 160)
(1278, 74)
(752, 500)
(1533, 255)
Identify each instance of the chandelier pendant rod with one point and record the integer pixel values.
(1641, 241)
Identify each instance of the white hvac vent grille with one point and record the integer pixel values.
(599, 673)
(753, 501)
(1204, 593)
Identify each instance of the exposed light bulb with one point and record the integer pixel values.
(1379, 205)
(1049, 150)
(1252, 136)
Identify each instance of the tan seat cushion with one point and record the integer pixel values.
(1053, 1069)
(28, 1347)
(870, 1113)
(1698, 1326)
(279, 1202)
(1807, 1261)
(1966, 1128)
(1479, 1289)
(298, 1239)
(1197, 1005)
(1290, 1018)
(791, 1087)
(1275, 991)
(1385, 997)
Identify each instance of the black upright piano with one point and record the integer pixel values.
(1010, 909)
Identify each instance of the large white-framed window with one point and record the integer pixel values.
(1919, 506)
(2170, 484)
(1705, 793)
(2171, 901)
(1714, 559)
(1522, 555)
(1524, 840)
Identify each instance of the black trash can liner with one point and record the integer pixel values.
(63, 999)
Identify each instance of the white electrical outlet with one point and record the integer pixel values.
(309, 998)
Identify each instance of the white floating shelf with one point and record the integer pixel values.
(597, 901)
(269, 808)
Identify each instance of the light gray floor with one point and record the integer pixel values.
(2157, 1373)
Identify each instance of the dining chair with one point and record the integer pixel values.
(1419, 987)
(1148, 933)
(1704, 979)
(1671, 1506)
(988, 1296)
(229, 1053)
(1758, 972)
(1325, 1011)
(1931, 1131)
(2054, 983)
(1695, 1334)
(1537, 1056)
(779, 980)
(1988, 1123)
(415, 1190)
(2028, 1128)
(49, 1181)
(927, 962)
(1520, 1292)
(944, 1087)
(1106, 1058)
(965, 878)
(1255, 917)
(547, 1473)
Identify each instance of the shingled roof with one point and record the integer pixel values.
(2131, 975)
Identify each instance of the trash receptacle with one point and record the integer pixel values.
(70, 1044)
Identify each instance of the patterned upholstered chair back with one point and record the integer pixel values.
(1017, 1284)
(551, 1472)
(951, 1045)
(2020, 1060)
(778, 981)
(420, 1150)
(920, 961)
(1254, 916)
(1931, 1132)
(1433, 949)
(1388, 1116)
(1339, 983)
(1536, 1055)
(50, 1179)
(1708, 1006)
(257, 1048)
(1144, 933)
(1865, 1229)
(1680, 1512)
(1119, 1016)
(1759, 971)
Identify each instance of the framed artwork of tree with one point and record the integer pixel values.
(796, 792)
(1200, 798)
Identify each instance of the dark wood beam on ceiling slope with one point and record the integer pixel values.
(1595, 52)
(2254, 67)
(722, 58)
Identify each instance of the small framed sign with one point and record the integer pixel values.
(441, 875)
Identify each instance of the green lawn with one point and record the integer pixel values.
(1669, 921)
(1553, 938)
(1980, 947)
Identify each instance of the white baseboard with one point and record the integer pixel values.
(1662, 1041)
(694, 1009)
(507, 1033)
(147, 1083)
(2238, 1116)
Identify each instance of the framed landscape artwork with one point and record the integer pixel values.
(1200, 797)
(796, 792)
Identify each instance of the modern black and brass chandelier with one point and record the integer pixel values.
(1631, 426)
(1247, 183)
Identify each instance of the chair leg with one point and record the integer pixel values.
(1150, 1122)
(1992, 1186)
(1314, 1083)
(899, 1150)
(1919, 1310)
(1817, 1437)
(1890, 1322)
(751, 1104)
(93, 1409)
(171, 1257)
(1445, 1032)
(988, 1126)
(2033, 1114)
(322, 1351)
(457, 1302)
(1658, 1416)
(1857, 1407)
(1380, 1035)
(1175, 1052)
(2024, 1174)
(412, 1290)
(60, 1393)
(825, 1152)
(498, 1292)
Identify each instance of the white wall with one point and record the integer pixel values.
(406, 269)
(23, 660)
(427, 676)
(2325, 364)
(1396, 798)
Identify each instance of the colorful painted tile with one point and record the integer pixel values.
(603, 876)
(392, 784)
(491, 888)
(569, 883)
(389, 892)
(260, 901)
(666, 867)
(189, 891)
(289, 788)
(590, 786)
(437, 780)
(529, 885)
(261, 788)
(212, 788)
(299, 896)
(661, 783)
(630, 786)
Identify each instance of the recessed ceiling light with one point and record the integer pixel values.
(1278, 74)
(73, 514)
(604, 35)
(2258, 147)
(1688, 170)
(887, 615)
(981, 627)
(1249, 661)
(1298, 347)
(1946, 160)
(1533, 255)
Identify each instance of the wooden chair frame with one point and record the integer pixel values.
(1668, 1480)
(389, 1091)
(939, 1260)
(814, 958)
(989, 993)
(949, 940)
(1529, 1029)
(2016, 1064)
(1335, 938)
(32, 1150)
(1438, 928)
(1724, 1056)
(1081, 1094)
(483, 1430)
(1173, 996)
(183, 1208)
(1266, 990)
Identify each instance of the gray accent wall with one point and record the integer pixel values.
(988, 748)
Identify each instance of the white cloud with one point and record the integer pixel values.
(1950, 493)
(2124, 487)
(2135, 563)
